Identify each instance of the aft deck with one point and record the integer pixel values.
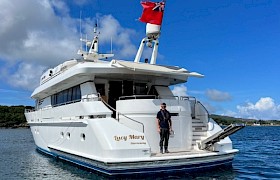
(181, 153)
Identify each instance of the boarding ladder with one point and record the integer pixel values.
(210, 141)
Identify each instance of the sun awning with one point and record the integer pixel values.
(145, 67)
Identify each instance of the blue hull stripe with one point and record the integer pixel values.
(123, 171)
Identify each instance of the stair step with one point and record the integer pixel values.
(202, 128)
(196, 120)
(198, 124)
(196, 138)
(199, 133)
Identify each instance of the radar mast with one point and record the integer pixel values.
(152, 15)
(91, 53)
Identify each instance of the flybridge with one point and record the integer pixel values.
(152, 15)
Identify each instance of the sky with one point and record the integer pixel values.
(235, 44)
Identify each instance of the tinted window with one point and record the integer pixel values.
(68, 95)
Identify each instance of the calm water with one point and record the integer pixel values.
(259, 158)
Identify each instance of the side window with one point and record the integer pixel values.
(76, 93)
(140, 88)
(68, 95)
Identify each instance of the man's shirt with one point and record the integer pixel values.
(164, 118)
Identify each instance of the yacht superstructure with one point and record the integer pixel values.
(100, 114)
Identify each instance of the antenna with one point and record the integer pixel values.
(81, 37)
(95, 29)
(91, 49)
(111, 45)
(86, 44)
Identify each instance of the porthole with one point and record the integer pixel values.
(83, 137)
(68, 135)
(62, 134)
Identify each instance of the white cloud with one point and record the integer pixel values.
(180, 90)
(210, 108)
(229, 113)
(265, 108)
(216, 95)
(111, 28)
(38, 34)
(33, 33)
(26, 76)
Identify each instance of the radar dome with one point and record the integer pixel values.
(152, 30)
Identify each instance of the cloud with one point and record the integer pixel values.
(216, 95)
(44, 31)
(110, 28)
(210, 108)
(230, 113)
(26, 76)
(180, 90)
(265, 108)
(33, 33)
(10, 91)
(39, 34)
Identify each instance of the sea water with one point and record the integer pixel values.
(259, 158)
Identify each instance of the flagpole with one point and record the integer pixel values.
(163, 12)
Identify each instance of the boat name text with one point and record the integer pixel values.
(129, 137)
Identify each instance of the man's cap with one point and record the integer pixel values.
(163, 104)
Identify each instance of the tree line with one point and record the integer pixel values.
(227, 120)
(13, 116)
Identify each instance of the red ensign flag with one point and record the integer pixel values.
(152, 12)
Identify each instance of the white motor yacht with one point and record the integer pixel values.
(101, 114)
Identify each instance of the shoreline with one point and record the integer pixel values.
(15, 127)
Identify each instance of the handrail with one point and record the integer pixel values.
(136, 96)
(67, 102)
(188, 98)
(132, 120)
(204, 108)
(98, 97)
(160, 96)
(195, 102)
(80, 100)
(70, 102)
(148, 96)
(113, 109)
(29, 110)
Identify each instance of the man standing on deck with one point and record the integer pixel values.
(164, 127)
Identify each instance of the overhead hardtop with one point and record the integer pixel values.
(145, 67)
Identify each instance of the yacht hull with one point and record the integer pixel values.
(164, 164)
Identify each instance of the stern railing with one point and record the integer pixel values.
(118, 115)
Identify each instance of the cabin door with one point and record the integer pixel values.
(100, 88)
(115, 91)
